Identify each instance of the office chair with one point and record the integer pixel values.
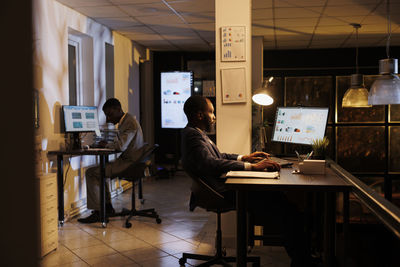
(136, 172)
(205, 197)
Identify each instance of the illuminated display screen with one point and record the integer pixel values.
(299, 125)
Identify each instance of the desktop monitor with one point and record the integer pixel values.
(299, 125)
(78, 119)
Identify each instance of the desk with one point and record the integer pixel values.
(330, 183)
(103, 155)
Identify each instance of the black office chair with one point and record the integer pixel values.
(135, 173)
(205, 197)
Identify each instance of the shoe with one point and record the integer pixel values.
(92, 218)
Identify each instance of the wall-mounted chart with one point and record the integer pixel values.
(233, 40)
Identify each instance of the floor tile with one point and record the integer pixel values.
(59, 257)
(81, 242)
(128, 244)
(176, 247)
(147, 243)
(144, 254)
(94, 252)
(111, 260)
(168, 261)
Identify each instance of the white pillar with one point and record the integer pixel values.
(233, 120)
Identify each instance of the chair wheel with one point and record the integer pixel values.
(182, 261)
(128, 225)
(158, 221)
(224, 252)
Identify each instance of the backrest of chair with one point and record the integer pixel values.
(205, 197)
(136, 169)
(148, 151)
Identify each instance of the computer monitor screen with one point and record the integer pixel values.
(80, 119)
(175, 89)
(299, 125)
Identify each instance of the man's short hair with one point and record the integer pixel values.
(193, 105)
(112, 103)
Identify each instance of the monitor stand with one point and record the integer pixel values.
(76, 141)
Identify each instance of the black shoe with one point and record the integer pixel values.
(92, 218)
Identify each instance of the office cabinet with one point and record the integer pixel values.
(47, 184)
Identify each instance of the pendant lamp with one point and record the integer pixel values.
(386, 88)
(357, 95)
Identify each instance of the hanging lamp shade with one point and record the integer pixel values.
(261, 96)
(357, 95)
(386, 88)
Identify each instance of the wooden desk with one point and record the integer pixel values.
(330, 183)
(103, 155)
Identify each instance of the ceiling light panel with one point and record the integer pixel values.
(160, 20)
(101, 12)
(291, 13)
(84, 3)
(348, 10)
(261, 14)
(119, 23)
(255, 4)
(193, 6)
(207, 17)
(131, 2)
(310, 22)
(140, 10)
(300, 3)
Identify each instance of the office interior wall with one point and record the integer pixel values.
(52, 23)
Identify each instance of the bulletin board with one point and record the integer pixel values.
(233, 41)
(233, 85)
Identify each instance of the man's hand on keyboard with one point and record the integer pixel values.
(255, 157)
(267, 164)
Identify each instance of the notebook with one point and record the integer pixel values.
(253, 174)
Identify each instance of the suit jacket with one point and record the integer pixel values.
(129, 141)
(201, 157)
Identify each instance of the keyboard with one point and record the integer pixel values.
(282, 162)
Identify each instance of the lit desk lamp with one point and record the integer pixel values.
(262, 98)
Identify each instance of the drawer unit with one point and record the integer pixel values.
(47, 184)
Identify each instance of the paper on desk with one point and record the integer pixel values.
(251, 174)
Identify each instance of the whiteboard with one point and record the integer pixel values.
(175, 90)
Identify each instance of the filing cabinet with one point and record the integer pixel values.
(47, 184)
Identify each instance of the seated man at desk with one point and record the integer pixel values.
(201, 157)
(129, 141)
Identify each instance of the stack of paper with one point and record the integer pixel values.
(252, 174)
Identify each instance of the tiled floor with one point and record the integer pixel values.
(147, 243)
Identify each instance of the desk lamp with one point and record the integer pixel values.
(262, 98)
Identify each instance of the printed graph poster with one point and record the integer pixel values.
(233, 43)
(233, 83)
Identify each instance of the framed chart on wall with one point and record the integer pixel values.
(233, 43)
(233, 85)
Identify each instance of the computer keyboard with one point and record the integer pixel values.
(281, 162)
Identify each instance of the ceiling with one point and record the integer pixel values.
(189, 25)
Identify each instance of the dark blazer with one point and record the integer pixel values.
(201, 157)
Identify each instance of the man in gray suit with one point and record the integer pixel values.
(201, 157)
(129, 141)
